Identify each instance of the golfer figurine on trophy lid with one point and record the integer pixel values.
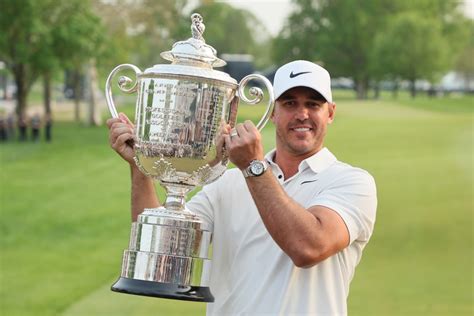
(179, 109)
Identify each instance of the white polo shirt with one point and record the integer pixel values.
(250, 274)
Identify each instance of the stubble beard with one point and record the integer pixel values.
(313, 146)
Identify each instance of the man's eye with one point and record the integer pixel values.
(315, 104)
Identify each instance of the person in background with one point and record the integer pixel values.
(48, 125)
(35, 124)
(22, 128)
(11, 126)
(3, 128)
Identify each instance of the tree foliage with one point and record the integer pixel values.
(404, 55)
(138, 31)
(431, 33)
(21, 39)
(298, 38)
(339, 34)
(369, 40)
(39, 37)
(465, 62)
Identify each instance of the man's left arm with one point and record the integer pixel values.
(307, 236)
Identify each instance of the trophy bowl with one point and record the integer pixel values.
(177, 142)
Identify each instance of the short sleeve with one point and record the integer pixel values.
(353, 196)
(203, 204)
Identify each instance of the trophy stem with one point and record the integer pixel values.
(176, 196)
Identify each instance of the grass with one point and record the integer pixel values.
(65, 221)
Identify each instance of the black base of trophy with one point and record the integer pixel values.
(163, 290)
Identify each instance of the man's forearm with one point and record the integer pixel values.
(143, 193)
(292, 227)
(307, 236)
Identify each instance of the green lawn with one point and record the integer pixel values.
(65, 221)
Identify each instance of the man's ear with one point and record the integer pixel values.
(272, 116)
(331, 111)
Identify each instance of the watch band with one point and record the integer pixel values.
(247, 171)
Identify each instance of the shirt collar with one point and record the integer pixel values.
(317, 162)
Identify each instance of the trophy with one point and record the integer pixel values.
(179, 109)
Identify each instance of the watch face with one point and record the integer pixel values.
(257, 168)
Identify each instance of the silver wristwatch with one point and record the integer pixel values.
(255, 169)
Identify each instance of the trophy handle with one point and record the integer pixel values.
(257, 94)
(123, 82)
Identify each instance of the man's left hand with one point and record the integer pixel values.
(244, 144)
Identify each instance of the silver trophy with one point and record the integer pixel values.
(179, 110)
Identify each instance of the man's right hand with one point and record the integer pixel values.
(121, 137)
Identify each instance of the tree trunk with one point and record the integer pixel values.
(19, 73)
(377, 90)
(48, 121)
(22, 89)
(94, 118)
(466, 80)
(395, 89)
(47, 93)
(3, 80)
(361, 87)
(413, 88)
(77, 95)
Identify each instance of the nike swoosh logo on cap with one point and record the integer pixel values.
(292, 75)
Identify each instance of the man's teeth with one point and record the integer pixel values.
(301, 129)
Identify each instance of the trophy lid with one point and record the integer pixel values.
(192, 57)
(194, 51)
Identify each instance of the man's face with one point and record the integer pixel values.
(301, 117)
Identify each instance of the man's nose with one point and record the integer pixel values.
(301, 113)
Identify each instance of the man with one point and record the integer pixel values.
(289, 227)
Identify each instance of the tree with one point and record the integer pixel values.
(39, 37)
(23, 35)
(77, 38)
(465, 64)
(298, 38)
(3, 81)
(343, 35)
(412, 48)
(339, 34)
(138, 31)
(141, 30)
(422, 41)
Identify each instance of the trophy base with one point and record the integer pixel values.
(163, 290)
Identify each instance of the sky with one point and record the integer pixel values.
(469, 8)
(273, 13)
